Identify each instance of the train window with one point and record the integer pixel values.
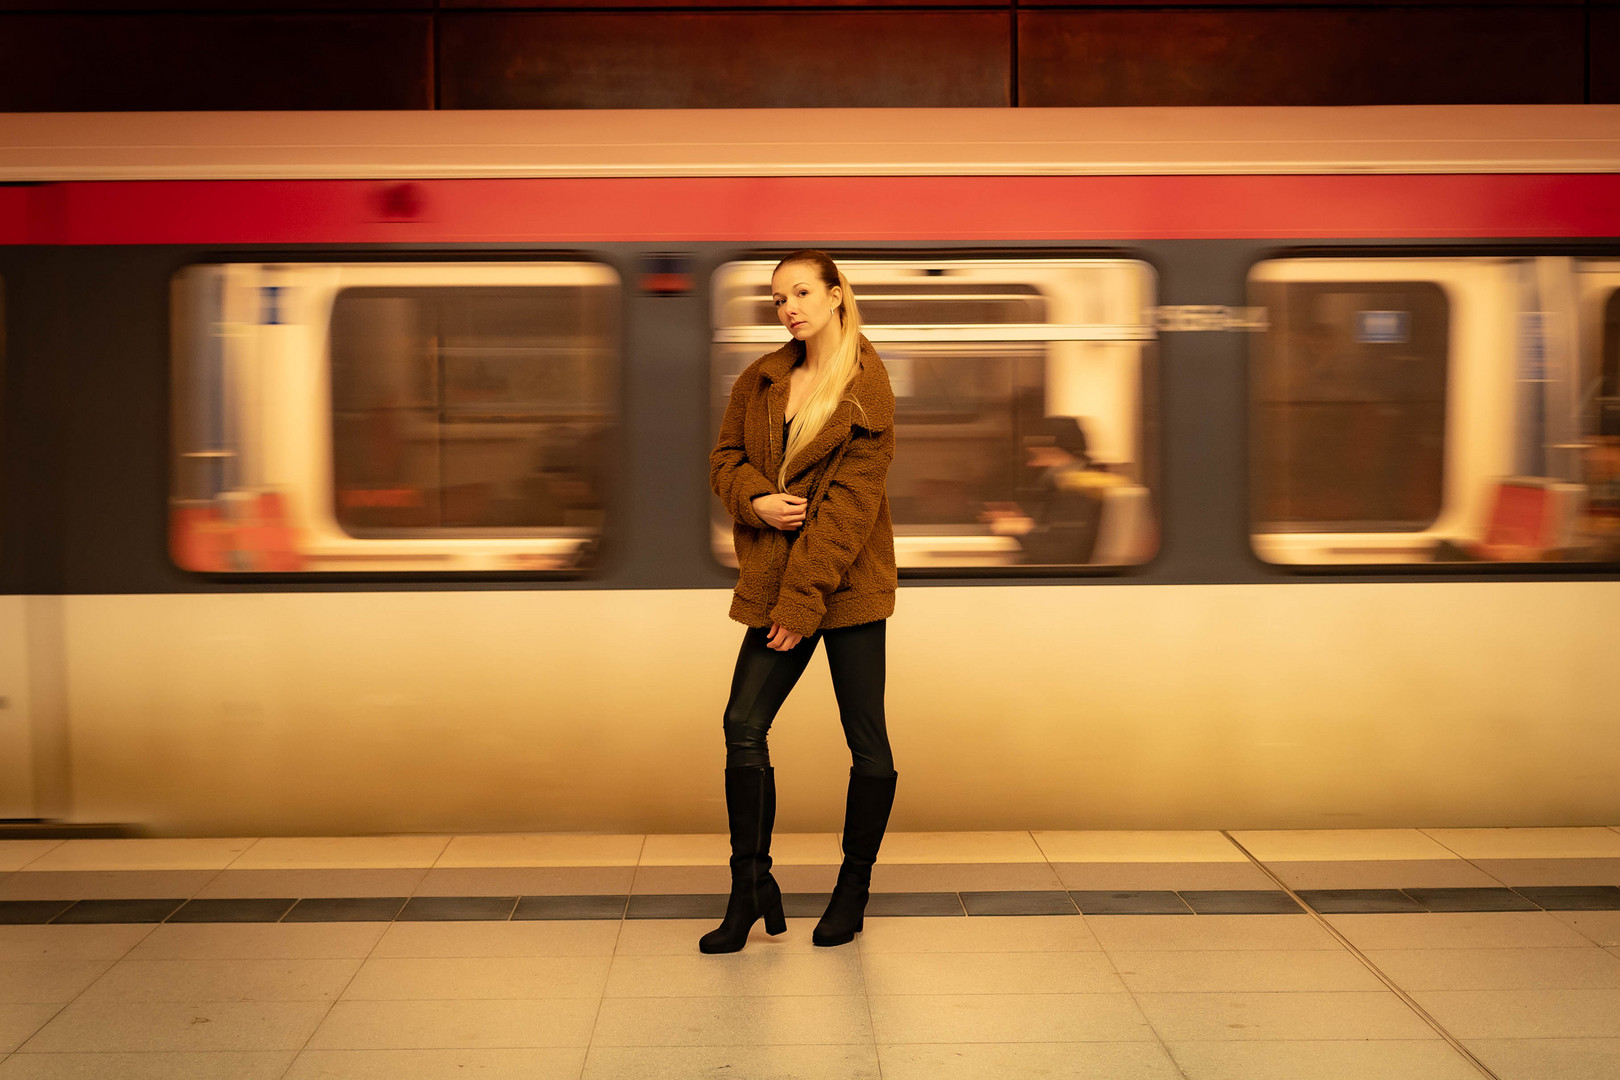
(1428, 410)
(388, 417)
(1023, 395)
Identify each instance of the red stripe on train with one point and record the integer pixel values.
(800, 209)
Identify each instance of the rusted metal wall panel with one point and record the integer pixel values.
(1372, 56)
(725, 60)
(157, 62)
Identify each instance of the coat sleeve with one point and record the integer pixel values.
(828, 545)
(731, 475)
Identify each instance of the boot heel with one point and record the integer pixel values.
(775, 920)
(860, 924)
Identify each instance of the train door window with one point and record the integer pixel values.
(1420, 411)
(394, 416)
(1024, 398)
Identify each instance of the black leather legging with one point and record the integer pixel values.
(856, 655)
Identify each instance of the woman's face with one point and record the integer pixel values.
(805, 306)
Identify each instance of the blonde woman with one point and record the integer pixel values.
(803, 455)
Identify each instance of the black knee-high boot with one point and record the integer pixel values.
(866, 816)
(751, 808)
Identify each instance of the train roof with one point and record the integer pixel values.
(801, 142)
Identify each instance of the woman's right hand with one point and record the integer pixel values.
(780, 510)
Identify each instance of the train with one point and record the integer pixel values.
(353, 465)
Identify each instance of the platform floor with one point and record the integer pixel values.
(1438, 954)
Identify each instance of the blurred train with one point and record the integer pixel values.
(354, 465)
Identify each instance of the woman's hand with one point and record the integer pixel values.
(780, 511)
(781, 638)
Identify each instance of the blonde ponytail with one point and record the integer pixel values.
(837, 371)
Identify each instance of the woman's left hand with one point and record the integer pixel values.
(781, 638)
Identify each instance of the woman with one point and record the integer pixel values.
(803, 454)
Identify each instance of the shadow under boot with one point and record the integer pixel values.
(866, 816)
(751, 808)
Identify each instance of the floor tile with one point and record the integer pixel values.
(679, 937)
(1323, 845)
(1242, 971)
(1595, 843)
(542, 849)
(1308, 1015)
(1382, 874)
(750, 1062)
(1138, 847)
(1599, 927)
(1154, 932)
(43, 982)
(1548, 1059)
(750, 973)
(688, 880)
(1060, 1061)
(1385, 1059)
(19, 1022)
(203, 1065)
(1239, 902)
(183, 854)
(232, 911)
(341, 852)
(95, 942)
(212, 1025)
(259, 941)
(805, 905)
(1573, 897)
(528, 881)
(1518, 872)
(118, 911)
(537, 938)
(554, 1063)
(1007, 1018)
(738, 1021)
(1138, 877)
(484, 977)
(1488, 899)
(313, 883)
(1463, 930)
(222, 980)
(457, 909)
(990, 973)
(570, 907)
(955, 877)
(37, 912)
(914, 904)
(347, 909)
(1498, 969)
(677, 906)
(806, 879)
(714, 849)
(427, 1025)
(1021, 902)
(1525, 1014)
(1359, 901)
(16, 854)
(104, 884)
(1129, 903)
(961, 847)
(982, 933)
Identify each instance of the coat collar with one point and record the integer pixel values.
(870, 387)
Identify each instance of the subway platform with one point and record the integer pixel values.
(1436, 954)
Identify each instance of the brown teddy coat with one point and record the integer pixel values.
(838, 568)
